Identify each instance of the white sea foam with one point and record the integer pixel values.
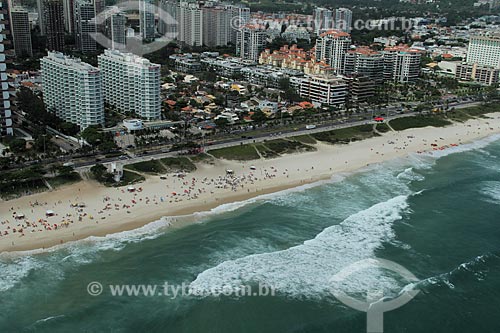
(305, 270)
(13, 271)
(409, 174)
(476, 267)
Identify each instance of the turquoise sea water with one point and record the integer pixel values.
(439, 217)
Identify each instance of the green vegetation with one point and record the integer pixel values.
(150, 167)
(307, 139)
(281, 146)
(346, 135)
(34, 179)
(382, 128)
(401, 124)
(176, 164)
(465, 114)
(98, 139)
(100, 173)
(242, 153)
(62, 180)
(265, 151)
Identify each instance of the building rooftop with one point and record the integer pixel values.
(68, 61)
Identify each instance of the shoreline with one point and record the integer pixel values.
(208, 187)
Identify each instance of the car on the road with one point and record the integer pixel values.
(308, 127)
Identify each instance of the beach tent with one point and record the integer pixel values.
(50, 213)
(131, 189)
(20, 216)
(253, 168)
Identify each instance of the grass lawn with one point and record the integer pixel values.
(472, 112)
(265, 151)
(153, 167)
(177, 164)
(346, 135)
(401, 124)
(383, 128)
(241, 153)
(307, 139)
(281, 146)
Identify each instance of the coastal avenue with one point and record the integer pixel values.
(266, 136)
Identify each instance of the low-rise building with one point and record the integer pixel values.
(482, 74)
(323, 90)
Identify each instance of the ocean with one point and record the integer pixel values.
(437, 216)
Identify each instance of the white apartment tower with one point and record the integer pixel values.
(331, 47)
(343, 19)
(250, 42)
(484, 50)
(131, 83)
(5, 108)
(401, 64)
(190, 24)
(72, 89)
(147, 19)
(21, 32)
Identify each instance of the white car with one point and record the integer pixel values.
(310, 127)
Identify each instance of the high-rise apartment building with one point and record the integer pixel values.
(484, 50)
(69, 16)
(53, 19)
(21, 32)
(343, 19)
(331, 47)
(168, 23)
(239, 17)
(131, 83)
(115, 28)
(401, 64)
(216, 25)
(72, 90)
(250, 42)
(365, 62)
(190, 24)
(85, 25)
(6, 122)
(41, 16)
(147, 19)
(323, 20)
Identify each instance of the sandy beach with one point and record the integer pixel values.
(90, 209)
